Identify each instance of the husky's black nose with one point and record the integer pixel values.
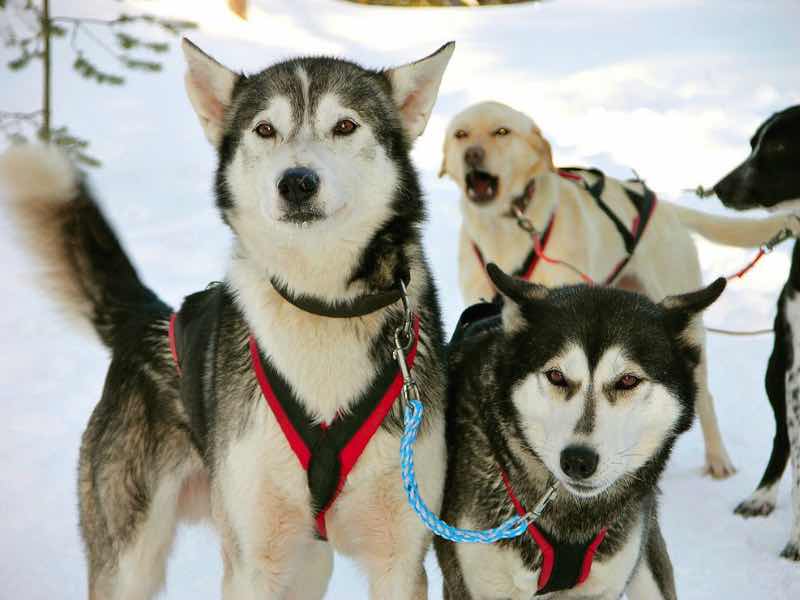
(579, 462)
(298, 184)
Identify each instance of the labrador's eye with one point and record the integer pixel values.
(345, 127)
(627, 382)
(265, 130)
(460, 134)
(556, 378)
(502, 131)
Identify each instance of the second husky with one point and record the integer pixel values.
(585, 386)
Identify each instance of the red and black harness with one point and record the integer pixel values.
(644, 203)
(565, 565)
(328, 452)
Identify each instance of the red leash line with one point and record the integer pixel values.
(741, 272)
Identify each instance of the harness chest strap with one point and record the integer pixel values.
(564, 565)
(327, 452)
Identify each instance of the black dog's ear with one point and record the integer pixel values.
(695, 302)
(517, 293)
(680, 309)
(515, 289)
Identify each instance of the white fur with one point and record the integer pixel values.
(628, 427)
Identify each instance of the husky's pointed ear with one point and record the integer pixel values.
(517, 292)
(681, 309)
(415, 87)
(210, 88)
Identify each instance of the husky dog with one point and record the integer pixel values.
(585, 386)
(212, 410)
(769, 178)
(612, 230)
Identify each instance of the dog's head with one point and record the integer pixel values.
(770, 176)
(597, 382)
(313, 151)
(492, 151)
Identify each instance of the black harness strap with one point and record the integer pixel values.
(644, 203)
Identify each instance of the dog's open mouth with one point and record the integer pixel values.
(481, 186)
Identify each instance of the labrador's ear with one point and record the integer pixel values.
(541, 146)
(210, 88)
(415, 87)
(517, 292)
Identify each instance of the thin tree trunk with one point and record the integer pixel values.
(44, 133)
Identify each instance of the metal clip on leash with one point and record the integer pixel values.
(412, 419)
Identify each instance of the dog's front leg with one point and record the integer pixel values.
(374, 523)
(260, 505)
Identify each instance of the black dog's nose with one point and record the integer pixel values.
(474, 156)
(579, 462)
(298, 184)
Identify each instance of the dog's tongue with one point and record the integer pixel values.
(481, 186)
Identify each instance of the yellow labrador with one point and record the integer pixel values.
(497, 155)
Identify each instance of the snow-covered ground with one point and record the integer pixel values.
(672, 88)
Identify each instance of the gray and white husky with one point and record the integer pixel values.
(314, 178)
(588, 387)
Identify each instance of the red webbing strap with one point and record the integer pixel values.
(571, 176)
(540, 251)
(741, 272)
(548, 554)
(296, 442)
(349, 455)
(173, 346)
(586, 566)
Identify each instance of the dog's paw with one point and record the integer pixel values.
(754, 506)
(719, 466)
(791, 551)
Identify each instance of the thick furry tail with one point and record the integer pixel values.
(85, 265)
(742, 233)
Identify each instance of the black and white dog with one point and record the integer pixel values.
(585, 386)
(770, 178)
(270, 400)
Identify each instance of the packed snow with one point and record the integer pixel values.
(670, 88)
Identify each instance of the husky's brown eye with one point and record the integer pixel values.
(345, 127)
(627, 382)
(556, 377)
(460, 134)
(502, 131)
(265, 130)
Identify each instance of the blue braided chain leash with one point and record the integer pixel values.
(512, 528)
(412, 419)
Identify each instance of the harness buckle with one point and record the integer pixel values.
(778, 238)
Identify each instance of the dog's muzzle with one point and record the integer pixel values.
(297, 187)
